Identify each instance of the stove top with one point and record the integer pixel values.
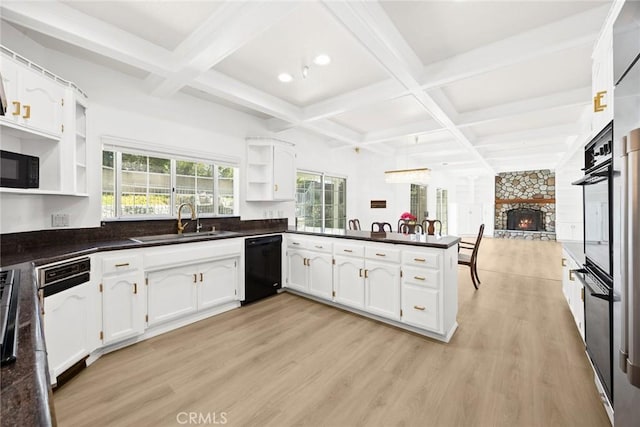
(9, 283)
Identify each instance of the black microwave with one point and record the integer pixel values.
(19, 170)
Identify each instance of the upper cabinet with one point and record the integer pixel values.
(271, 170)
(45, 117)
(602, 82)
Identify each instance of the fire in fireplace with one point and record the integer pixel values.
(525, 219)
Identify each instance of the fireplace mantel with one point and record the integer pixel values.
(540, 201)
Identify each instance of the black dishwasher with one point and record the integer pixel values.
(262, 267)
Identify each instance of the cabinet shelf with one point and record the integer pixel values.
(38, 192)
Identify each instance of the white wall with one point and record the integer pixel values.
(569, 217)
(473, 204)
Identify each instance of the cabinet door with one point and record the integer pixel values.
(10, 75)
(320, 275)
(71, 326)
(122, 306)
(217, 283)
(348, 280)
(172, 293)
(420, 307)
(382, 289)
(284, 173)
(297, 270)
(41, 101)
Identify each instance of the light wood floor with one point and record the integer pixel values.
(516, 360)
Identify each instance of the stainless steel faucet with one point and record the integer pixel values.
(194, 216)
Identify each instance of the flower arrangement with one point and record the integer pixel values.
(408, 216)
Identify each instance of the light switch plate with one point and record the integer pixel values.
(59, 220)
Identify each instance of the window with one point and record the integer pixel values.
(147, 185)
(442, 208)
(321, 200)
(418, 202)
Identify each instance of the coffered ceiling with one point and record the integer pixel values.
(469, 87)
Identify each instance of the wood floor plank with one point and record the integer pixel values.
(516, 360)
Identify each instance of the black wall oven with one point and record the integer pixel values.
(597, 274)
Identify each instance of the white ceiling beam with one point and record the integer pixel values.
(374, 30)
(555, 37)
(574, 97)
(62, 22)
(415, 128)
(229, 28)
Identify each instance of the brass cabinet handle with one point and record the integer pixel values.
(564, 262)
(572, 277)
(381, 254)
(419, 307)
(418, 277)
(347, 250)
(16, 111)
(295, 243)
(419, 259)
(124, 264)
(360, 272)
(27, 114)
(275, 187)
(135, 288)
(195, 278)
(201, 277)
(366, 274)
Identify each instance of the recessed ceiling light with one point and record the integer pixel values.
(285, 77)
(322, 59)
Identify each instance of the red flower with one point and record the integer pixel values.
(407, 215)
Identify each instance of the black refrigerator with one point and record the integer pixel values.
(626, 216)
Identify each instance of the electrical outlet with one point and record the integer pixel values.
(59, 220)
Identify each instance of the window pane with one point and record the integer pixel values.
(335, 212)
(226, 197)
(442, 208)
(108, 185)
(309, 200)
(146, 185)
(418, 202)
(194, 184)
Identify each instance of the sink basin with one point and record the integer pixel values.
(157, 238)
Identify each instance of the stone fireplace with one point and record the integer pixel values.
(525, 205)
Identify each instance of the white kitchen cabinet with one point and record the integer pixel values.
(71, 326)
(34, 98)
(271, 170)
(573, 290)
(382, 289)
(172, 293)
(320, 266)
(421, 306)
(297, 270)
(218, 283)
(602, 81)
(348, 281)
(123, 297)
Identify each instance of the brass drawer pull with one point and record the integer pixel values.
(319, 247)
(295, 243)
(201, 277)
(347, 250)
(381, 254)
(572, 277)
(418, 277)
(124, 264)
(195, 278)
(564, 262)
(419, 259)
(135, 288)
(419, 307)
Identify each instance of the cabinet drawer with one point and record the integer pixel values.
(120, 263)
(382, 253)
(420, 307)
(421, 277)
(421, 258)
(320, 245)
(347, 249)
(296, 242)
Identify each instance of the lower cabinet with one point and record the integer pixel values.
(420, 306)
(179, 291)
(297, 270)
(348, 281)
(573, 290)
(123, 306)
(310, 272)
(382, 289)
(71, 326)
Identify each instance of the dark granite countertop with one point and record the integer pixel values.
(422, 240)
(26, 391)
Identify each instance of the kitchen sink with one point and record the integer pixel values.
(158, 238)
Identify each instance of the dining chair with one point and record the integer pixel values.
(381, 226)
(405, 228)
(429, 225)
(354, 224)
(471, 260)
